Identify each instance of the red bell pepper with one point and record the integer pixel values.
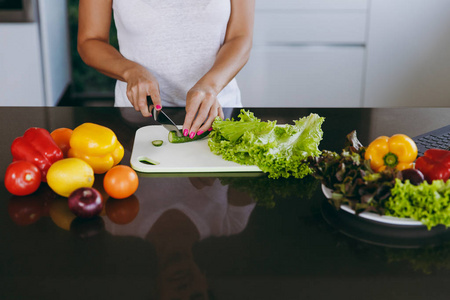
(38, 147)
(434, 164)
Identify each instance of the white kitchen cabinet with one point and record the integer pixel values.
(336, 5)
(408, 53)
(35, 57)
(349, 53)
(21, 73)
(282, 76)
(282, 27)
(306, 53)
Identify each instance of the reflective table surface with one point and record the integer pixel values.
(215, 236)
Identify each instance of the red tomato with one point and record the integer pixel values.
(22, 178)
(120, 182)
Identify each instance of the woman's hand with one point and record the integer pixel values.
(202, 107)
(140, 84)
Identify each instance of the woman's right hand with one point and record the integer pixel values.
(140, 84)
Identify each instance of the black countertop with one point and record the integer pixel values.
(223, 237)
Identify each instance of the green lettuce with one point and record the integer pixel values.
(427, 203)
(280, 151)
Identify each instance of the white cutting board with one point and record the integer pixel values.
(190, 157)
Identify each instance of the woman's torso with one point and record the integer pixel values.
(177, 40)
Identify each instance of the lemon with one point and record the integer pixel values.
(68, 174)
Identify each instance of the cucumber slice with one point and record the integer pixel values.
(157, 143)
(173, 138)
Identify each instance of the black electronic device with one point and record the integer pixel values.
(435, 139)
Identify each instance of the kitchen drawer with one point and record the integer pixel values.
(303, 77)
(312, 4)
(285, 27)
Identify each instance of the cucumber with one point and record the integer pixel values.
(173, 138)
(157, 143)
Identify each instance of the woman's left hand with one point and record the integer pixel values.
(202, 107)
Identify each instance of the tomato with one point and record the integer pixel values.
(22, 178)
(61, 136)
(120, 182)
(122, 211)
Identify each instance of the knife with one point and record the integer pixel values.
(161, 117)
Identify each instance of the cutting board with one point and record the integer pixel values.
(190, 157)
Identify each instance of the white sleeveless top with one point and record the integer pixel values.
(177, 41)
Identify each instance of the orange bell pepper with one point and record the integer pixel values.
(97, 145)
(399, 151)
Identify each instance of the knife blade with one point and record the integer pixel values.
(161, 117)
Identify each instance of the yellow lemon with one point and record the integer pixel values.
(68, 174)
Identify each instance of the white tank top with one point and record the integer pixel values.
(177, 41)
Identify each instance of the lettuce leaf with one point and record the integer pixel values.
(280, 151)
(427, 203)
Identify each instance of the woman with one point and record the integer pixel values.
(178, 52)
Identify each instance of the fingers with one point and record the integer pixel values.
(156, 99)
(142, 103)
(216, 110)
(221, 114)
(193, 101)
(201, 110)
(137, 93)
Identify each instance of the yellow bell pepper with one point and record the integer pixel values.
(399, 151)
(97, 145)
